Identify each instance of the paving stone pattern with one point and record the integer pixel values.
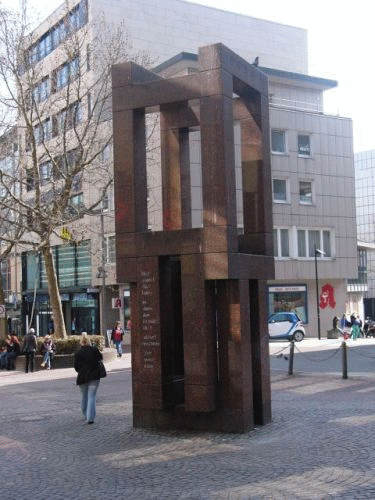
(320, 445)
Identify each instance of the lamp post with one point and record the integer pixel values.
(316, 253)
(102, 274)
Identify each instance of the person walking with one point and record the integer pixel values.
(86, 364)
(47, 350)
(29, 348)
(117, 336)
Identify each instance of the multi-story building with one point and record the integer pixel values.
(312, 162)
(365, 204)
(313, 205)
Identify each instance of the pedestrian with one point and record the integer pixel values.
(4, 352)
(356, 328)
(13, 351)
(86, 364)
(47, 350)
(117, 336)
(343, 322)
(29, 348)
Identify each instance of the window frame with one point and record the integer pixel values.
(312, 199)
(287, 190)
(308, 242)
(110, 249)
(278, 247)
(300, 152)
(285, 141)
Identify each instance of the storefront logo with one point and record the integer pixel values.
(327, 297)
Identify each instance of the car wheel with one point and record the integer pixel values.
(298, 336)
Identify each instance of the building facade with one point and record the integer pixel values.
(365, 196)
(312, 162)
(313, 208)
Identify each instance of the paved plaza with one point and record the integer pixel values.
(320, 444)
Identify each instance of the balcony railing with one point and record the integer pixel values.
(314, 107)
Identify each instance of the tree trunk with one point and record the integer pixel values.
(54, 294)
(3, 321)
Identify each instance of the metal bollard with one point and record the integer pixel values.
(344, 361)
(291, 358)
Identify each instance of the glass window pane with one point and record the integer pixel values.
(32, 270)
(83, 263)
(314, 242)
(284, 240)
(305, 192)
(275, 246)
(327, 243)
(111, 249)
(279, 190)
(301, 237)
(278, 141)
(66, 265)
(304, 145)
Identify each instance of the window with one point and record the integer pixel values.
(305, 193)
(309, 239)
(41, 91)
(67, 118)
(29, 180)
(304, 148)
(288, 299)
(281, 242)
(105, 202)
(278, 142)
(42, 132)
(67, 73)
(45, 172)
(280, 190)
(110, 249)
(77, 200)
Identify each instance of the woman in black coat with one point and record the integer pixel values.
(86, 363)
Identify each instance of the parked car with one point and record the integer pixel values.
(285, 326)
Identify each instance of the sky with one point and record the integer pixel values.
(340, 39)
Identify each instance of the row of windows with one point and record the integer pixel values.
(279, 143)
(73, 21)
(72, 263)
(61, 77)
(302, 243)
(281, 191)
(49, 171)
(63, 121)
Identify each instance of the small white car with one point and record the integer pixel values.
(285, 326)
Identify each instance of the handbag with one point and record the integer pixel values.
(102, 370)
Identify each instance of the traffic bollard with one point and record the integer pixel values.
(344, 361)
(291, 358)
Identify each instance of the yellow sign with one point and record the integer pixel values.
(65, 234)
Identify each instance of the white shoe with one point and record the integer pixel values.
(43, 364)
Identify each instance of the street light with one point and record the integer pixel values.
(316, 253)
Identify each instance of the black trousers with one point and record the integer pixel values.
(29, 363)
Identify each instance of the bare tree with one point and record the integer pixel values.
(57, 87)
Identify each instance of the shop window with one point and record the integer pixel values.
(288, 299)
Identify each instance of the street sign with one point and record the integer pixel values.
(2, 310)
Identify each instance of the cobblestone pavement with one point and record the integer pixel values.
(320, 445)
